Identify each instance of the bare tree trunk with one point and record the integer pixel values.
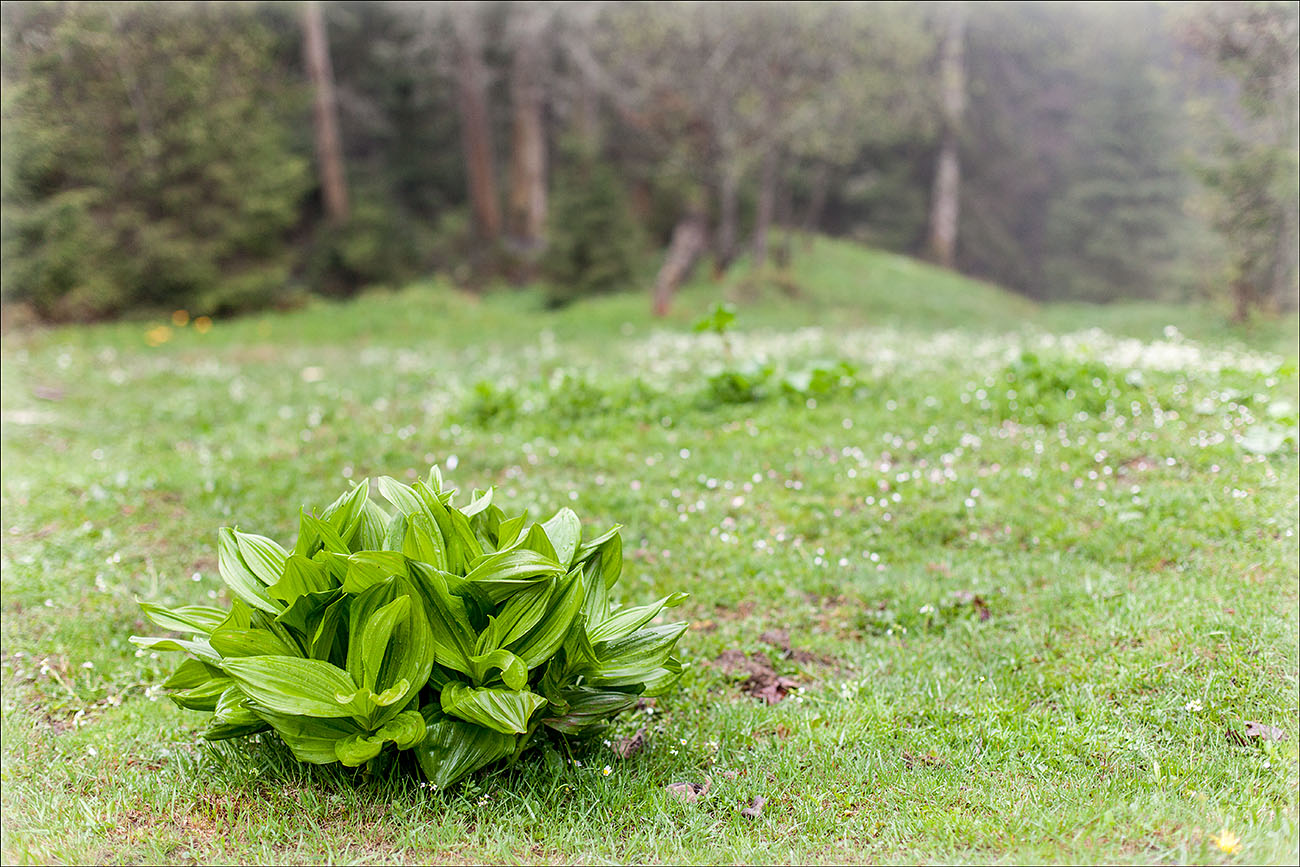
(329, 150)
(724, 247)
(690, 238)
(784, 250)
(586, 123)
(766, 205)
(526, 214)
(475, 125)
(1243, 299)
(812, 218)
(1284, 290)
(946, 198)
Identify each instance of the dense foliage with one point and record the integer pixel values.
(160, 158)
(455, 633)
(147, 160)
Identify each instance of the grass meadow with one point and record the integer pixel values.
(1025, 577)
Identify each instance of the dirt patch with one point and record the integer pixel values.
(780, 639)
(761, 680)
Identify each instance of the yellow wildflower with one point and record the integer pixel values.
(1226, 841)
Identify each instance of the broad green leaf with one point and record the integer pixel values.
(513, 671)
(625, 621)
(577, 647)
(537, 540)
(398, 692)
(329, 641)
(508, 531)
(356, 750)
(564, 530)
(503, 710)
(422, 540)
(520, 613)
(263, 557)
(390, 644)
(542, 642)
(449, 626)
(299, 577)
(627, 660)
(319, 535)
(237, 575)
(196, 647)
(662, 679)
(369, 635)
(240, 616)
(452, 748)
(480, 502)
(232, 717)
(345, 513)
(303, 687)
(400, 495)
(204, 696)
(607, 551)
(311, 739)
(405, 730)
(192, 673)
(272, 624)
(585, 707)
(368, 568)
(395, 533)
(304, 615)
(503, 574)
(194, 619)
(250, 642)
(462, 545)
(595, 602)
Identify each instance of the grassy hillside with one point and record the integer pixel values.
(838, 285)
(1033, 587)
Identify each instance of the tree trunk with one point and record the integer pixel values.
(586, 121)
(526, 214)
(329, 150)
(724, 247)
(766, 205)
(475, 123)
(784, 250)
(1284, 287)
(1243, 299)
(690, 237)
(946, 198)
(812, 218)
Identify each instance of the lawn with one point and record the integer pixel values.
(1031, 584)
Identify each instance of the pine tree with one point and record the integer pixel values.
(146, 163)
(1114, 230)
(594, 240)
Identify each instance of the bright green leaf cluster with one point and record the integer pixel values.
(452, 632)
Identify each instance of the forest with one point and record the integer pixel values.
(225, 157)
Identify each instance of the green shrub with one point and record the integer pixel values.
(1052, 390)
(147, 160)
(594, 239)
(452, 633)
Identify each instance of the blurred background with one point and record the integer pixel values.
(219, 158)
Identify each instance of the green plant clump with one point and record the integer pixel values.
(452, 633)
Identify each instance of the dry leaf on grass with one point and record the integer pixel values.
(626, 748)
(755, 808)
(1256, 731)
(689, 792)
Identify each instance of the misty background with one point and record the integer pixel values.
(219, 158)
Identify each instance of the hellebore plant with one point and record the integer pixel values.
(454, 633)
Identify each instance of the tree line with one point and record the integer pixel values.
(222, 157)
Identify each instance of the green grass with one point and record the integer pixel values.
(1134, 566)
